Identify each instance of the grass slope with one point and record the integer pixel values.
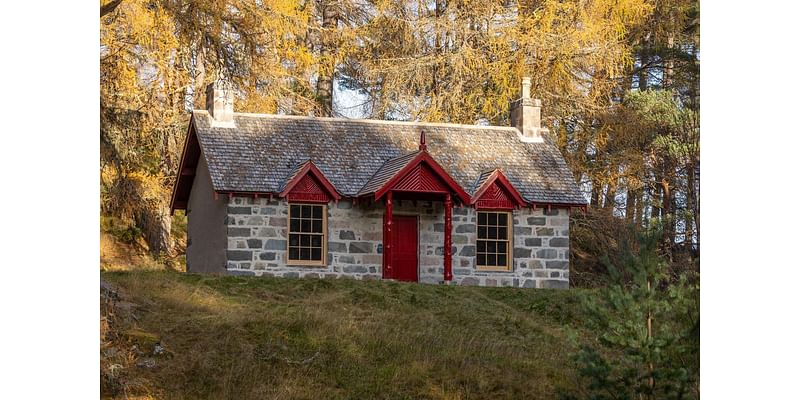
(236, 337)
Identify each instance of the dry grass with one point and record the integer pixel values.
(234, 337)
(117, 255)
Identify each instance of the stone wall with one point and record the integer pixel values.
(257, 234)
(541, 250)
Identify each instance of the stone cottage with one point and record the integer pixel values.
(288, 196)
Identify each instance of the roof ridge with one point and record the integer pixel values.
(372, 121)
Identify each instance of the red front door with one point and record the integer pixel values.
(405, 246)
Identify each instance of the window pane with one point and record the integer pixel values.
(492, 233)
(501, 247)
(481, 246)
(492, 219)
(502, 233)
(481, 218)
(305, 219)
(502, 219)
(481, 259)
(491, 247)
(501, 260)
(482, 232)
(491, 259)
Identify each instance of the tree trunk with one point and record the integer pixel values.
(644, 59)
(109, 8)
(667, 217)
(694, 196)
(328, 65)
(156, 225)
(651, 379)
(657, 194)
(630, 205)
(438, 10)
(669, 65)
(611, 198)
(597, 188)
(199, 78)
(641, 208)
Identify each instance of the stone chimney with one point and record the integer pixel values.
(526, 115)
(219, 103)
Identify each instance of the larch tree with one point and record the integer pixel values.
(455, 61)
(155, 59)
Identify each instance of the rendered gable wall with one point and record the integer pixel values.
(206, 225)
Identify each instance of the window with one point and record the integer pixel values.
(493, 240)
(307, 227)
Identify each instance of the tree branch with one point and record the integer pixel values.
(109, 7)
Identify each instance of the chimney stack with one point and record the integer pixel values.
(526, 115)
(219, 102)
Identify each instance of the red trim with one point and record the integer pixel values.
(354, 200)
(310, 185)
(497, 193)
(435, 168)
(181, 167)
(421, 179)
(448, 246)
(388, 224)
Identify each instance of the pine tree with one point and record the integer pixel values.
(648, 331)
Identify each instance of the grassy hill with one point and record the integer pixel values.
(173, 335)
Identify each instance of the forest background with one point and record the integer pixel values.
(619, 80)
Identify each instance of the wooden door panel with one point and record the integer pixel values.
(405, 248)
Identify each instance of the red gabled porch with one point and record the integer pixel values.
(415, 176)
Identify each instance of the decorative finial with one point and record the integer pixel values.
(422, 145)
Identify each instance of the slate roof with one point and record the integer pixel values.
(263, 150)
(292, 173)
(386, 172)
(480, 181)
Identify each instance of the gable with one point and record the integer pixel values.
(309, 189)
(187, 170)
(416, 172)
(495, 191)
(421, 179)
(495, 197)
(308, 183)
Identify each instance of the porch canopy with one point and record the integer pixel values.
(416, 176)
